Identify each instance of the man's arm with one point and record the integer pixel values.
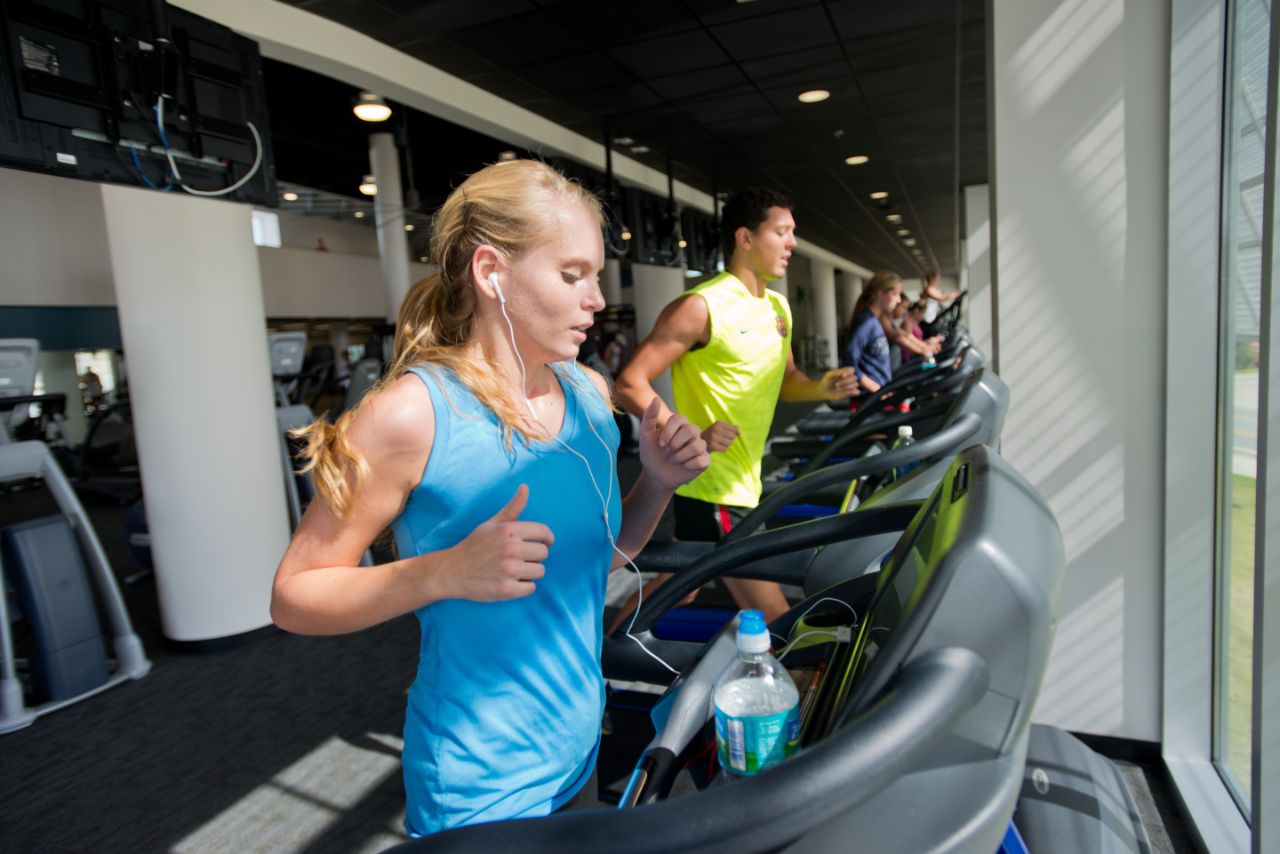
(833, 385)
(683, 325)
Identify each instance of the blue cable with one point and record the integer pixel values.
(143, 175)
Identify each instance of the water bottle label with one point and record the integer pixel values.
(753, 743)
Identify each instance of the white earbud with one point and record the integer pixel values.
(493, 280)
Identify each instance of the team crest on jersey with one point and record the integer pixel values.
(782, 326)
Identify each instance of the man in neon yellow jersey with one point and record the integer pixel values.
(728, 344)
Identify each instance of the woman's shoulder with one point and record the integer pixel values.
(396, 418)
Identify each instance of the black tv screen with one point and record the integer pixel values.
(80, 82)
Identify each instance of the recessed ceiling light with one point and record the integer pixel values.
(504, 156)
(879, 194)
(894, 217)
(359, 214)
(408, 226)
(290, 197)
(622, 140)
(904, 232)
(639, 149)
(682, 243)
(369, 186)
(813, 96)
(910, 241)
(424, 259)
(626, 234)
(857, 159)
(370, 108)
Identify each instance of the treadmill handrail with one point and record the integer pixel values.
(945, 440)
(762, 813)
(813, 532)
(936, 382)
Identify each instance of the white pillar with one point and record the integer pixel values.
(977, 265)
(611, 281)
(58, 370)
(192, 319)
(388, 211)
(822, 279)
(1080, 126)
(654, 288)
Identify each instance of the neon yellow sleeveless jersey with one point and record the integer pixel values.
(735, 378)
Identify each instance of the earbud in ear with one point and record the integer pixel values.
(493, 280)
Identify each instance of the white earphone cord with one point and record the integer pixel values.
(604, 502)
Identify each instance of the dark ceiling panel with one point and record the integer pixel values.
(447, 16)
(725, 11)
(687, 51)
(606, 25)
(719, 81)
(574, 74)
(522, 40)
(796, 30)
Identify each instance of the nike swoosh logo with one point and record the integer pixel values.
(743, 331)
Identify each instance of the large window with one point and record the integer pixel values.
(1239, 357)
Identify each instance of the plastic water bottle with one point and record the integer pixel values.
(929, 361)
(757, 705)
(905, 438)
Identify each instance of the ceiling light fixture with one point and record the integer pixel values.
(894, 217)
(910, 241)
(682, 243)
(504, 156)
(359, 214)
(857, 159)
(639, 149)
(408, 226)
(371, 108)
(424, 259)
(369, 186)
(813, 96)
(879, 194)
(622, 140)
(904, 232)
(290, 197)
(626, 234)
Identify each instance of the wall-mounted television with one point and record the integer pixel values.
(134, 92)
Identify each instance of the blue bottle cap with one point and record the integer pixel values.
(752, 623)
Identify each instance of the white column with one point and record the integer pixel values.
(192, 319)
(977, 266)
(611, 281)
(388, 211)
(58, 370)
(654, 288)
(1080, 124)
(822, 278)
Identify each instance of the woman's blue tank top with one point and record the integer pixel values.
(503, 718)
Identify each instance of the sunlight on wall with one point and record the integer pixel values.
(1095, 164)
(1061, 45)
(293, 809)
(1086, 664)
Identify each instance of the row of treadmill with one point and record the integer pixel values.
(916, 735)
(940, 560)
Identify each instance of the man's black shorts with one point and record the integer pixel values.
(702, 521)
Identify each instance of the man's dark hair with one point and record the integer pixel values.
(749, 208)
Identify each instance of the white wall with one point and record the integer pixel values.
(300, 232)
(306, 283)
(1080, 124)
(977, 265)
(53, 242)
